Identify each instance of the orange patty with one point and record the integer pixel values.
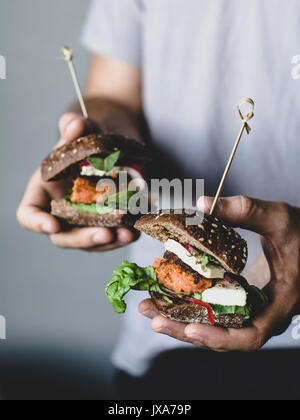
(85, 192)
(174, 277)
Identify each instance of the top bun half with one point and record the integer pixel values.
(212, 236)
(58, 163)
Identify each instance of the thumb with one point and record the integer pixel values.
(71, 126)
(248, 213)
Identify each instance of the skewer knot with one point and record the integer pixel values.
(67, 53)
(250, 114)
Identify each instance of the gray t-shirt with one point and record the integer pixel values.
(198, 59)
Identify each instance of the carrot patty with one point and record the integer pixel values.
(85, 192)
(173, 274)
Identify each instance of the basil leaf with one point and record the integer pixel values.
(213, 260)
(97, 163)
(205, 259)
(111, 160)
(106, 164)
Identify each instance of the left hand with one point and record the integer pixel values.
(279, 227)
(33, 212)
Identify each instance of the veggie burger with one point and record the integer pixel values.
(86, 161)
(198, 278)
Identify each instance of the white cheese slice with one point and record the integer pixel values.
(225, 294)
(212, 271)
(91, 171)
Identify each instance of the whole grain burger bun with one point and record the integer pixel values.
(191, 313)
(59, 162)
(64, 211)
(212, 236)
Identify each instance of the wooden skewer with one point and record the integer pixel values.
(68, 55)
(246, 127)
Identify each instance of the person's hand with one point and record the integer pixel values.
(279, 227)
(33, 211)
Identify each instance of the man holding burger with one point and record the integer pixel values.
(181, 67)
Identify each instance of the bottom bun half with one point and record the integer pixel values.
(192, 313)
(64, 211)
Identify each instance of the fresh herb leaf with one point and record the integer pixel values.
(165, 297)
(205, 259)
(130, 276)
(211, 259)
(97, 163)
(111, 160)
(197, 296)
(105, 164)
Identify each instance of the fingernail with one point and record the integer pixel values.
(71, 126)
(150, 314)
(47, 228)
(164, 331)
(99, 239)
(205, 204)
(124, 236)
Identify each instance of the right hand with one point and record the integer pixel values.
(33, 212)
(278, 224)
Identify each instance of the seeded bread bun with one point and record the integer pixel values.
(61, 160)
(211, 236)
(192, 313)
(64, 211)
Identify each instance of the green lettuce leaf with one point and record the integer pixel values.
(117, 201)
(246, 311)
(92, 208)
(120, 200)
(130, 276)
(256, 297)
(259, 296)
(197, 296)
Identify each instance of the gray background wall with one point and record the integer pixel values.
(53, 300)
